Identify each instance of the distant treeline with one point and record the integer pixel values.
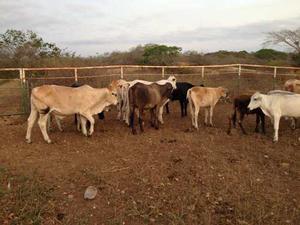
(27, 49)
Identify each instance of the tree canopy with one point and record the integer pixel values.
(155, 54)
(21, 47)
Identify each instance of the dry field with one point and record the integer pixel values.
(169, 176)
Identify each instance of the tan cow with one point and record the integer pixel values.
(204, 97)
(292, 85)
(63, 101)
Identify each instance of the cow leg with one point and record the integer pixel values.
(156, 117)
(211, 112)
(31, 120)
(57, 120)
(167, 108)
(132, 113)
(293, 123)
(49, 123)
(43, 126)
(152, 117)
(240, 122)
(262, 120)
(276, 127)
(141, 115)
(92, 122)
(185, 103)
(197, 109)
(101, 115)
(192, 114)
(159, 115)
(78, 122)
(82, 123)
(127, 115)
(206, 116)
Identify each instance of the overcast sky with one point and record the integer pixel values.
(97, 26)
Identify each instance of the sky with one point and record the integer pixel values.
(91, 27)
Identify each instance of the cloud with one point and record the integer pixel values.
(94, 26)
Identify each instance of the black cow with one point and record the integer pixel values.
(240, 106)
(179, 94)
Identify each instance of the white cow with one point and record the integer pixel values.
(275, 106)
(63, 101)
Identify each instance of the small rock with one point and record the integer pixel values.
(70, 196)
(90, 193)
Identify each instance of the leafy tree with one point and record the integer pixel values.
(270, 54)
(290, 38)
(160, 54)
(23, 47)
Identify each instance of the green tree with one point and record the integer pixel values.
(160, 54)
(22, 47)
(270, 54)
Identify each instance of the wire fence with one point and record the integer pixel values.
(16, 83)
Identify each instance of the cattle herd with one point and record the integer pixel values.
(134, 97)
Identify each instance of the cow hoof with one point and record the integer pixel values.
(28, 141)
(134, 132)
(49, 141)
(275, 141)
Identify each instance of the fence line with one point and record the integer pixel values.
(209, 74)
(22, 71)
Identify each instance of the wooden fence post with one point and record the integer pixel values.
(274, 77)
(163, 71)
(122, 72)
(75, 75)
(239, 77)
(202, 74)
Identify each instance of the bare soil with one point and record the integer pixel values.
(173, 175)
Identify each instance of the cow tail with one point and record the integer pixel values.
(189, 98)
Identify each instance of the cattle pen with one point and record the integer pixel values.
(16, 83)
(173, 175)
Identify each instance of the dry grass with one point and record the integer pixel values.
(169, 176)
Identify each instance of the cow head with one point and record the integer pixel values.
(255, 101)
(112, 97)
(224, 92)
(172, 80)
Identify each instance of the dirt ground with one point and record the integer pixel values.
(168, 176)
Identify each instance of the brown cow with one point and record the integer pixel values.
(206, 97)
(62, 101)
(152, 96)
